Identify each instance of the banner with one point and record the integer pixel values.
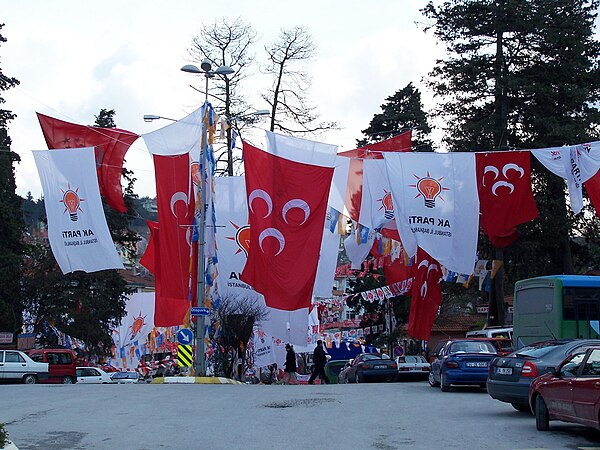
(426, 296)
(77, 229)
(505, 196)
(436, 205)
(175, 216)
(110, 146)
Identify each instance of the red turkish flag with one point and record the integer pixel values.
(396, 271)
(426, 295)
(175, 204)
(148, 259)
(592, 186)
(287, 203)
(110, 144)
(505, 197)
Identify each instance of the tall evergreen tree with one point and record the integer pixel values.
(12, 224)
(401, 112)
(521, 75)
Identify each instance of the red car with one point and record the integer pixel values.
(570, 393)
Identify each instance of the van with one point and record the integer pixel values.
(492, 332)
(61, 364)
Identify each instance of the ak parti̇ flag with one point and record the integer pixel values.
(110, 146)
(287, 204)
(426, 295)
(505, 196)
(173, 249)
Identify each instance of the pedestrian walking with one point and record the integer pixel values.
(319, 360)
(289, 374)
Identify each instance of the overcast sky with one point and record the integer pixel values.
(74, 58)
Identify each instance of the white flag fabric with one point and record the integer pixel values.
(133, 331)
(264, 348)
(330, 244)
(377, 206)
(575, 163)
(177, 138)
(436, 205)
(357, 251)
(77, 228)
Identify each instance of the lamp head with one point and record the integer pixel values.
(190, 68)
(150, 117)
(224, 70)
(206, 65)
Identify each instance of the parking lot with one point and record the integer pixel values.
(373, 415)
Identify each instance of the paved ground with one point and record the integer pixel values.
(205, 416)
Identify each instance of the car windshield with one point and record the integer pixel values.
(370, 356)
(538, 350)
(414, 359)
(471, 347)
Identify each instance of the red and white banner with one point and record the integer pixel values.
(77, 229)
(175, 216)
(426, 296)
(575, 163)
(436, 205)
(110, 145)
(505, 196)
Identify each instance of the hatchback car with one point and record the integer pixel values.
(510, 376)
(412, 367)
(570, 392)
(462, 361)
(92, 375)
(17, 366)
(371, 366)
(125, 377)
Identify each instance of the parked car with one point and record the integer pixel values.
(371, 366)
(61, 363)
(125, 377)
(412, 367)
(510, 376)
(492, 332)
(92, 375)
(16, 365)
(462, 361)
(570, 392)
(343, 376)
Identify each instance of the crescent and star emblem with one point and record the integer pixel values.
(501, 183)
(287, 207)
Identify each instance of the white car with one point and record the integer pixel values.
(413, 366)
(125, 377)
(92, 375)
(16, 365)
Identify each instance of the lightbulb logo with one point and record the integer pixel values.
(241, 238)
(136, 326)
(196, 173)
(72, 202)
(387, 205)
(430, 188)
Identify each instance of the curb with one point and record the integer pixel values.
(195, 380)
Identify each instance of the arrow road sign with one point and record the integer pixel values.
(200, 311)
(185, 336)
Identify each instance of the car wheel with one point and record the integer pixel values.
(522, 407)
(432, 381)
(444, 385)
(67, 380)
(542, 418)
(29, 379)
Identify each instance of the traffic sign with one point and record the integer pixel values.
(184, 355)
(185, 336)
(200, 311)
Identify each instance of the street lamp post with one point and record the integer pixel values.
(199, 361)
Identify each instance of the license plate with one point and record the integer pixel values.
(476, 364)
(381, 367)
(504, 370)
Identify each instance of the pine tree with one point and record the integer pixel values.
(11, 225)
(402, 111)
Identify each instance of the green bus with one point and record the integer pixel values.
(555, 307)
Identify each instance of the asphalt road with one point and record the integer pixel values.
(364, 416)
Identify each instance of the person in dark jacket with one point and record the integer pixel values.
(319, 360)
(289, 374)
